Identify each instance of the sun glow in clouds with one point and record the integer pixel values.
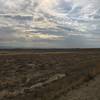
(50, 20)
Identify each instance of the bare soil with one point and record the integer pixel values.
(45, 76)
(87, 91)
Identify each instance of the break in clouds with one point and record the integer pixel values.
(50, 23)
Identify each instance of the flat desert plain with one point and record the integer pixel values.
(62, 75)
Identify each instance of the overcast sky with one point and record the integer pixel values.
(50, 23)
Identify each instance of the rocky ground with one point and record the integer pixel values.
(87, 91)
(49, 76)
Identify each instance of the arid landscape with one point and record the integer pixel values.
(44, 75)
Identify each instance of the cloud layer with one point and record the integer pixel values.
(50, 23)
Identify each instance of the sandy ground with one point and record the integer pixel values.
(88, 91)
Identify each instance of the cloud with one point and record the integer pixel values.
(57, 20)
(38, 36)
